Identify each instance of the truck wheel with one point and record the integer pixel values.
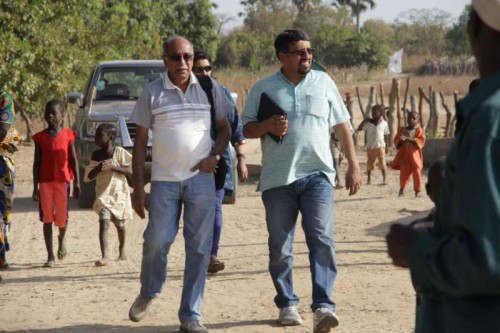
(87, 193)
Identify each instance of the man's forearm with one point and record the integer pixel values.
(223, 136)
(139, 158)
(254, 130)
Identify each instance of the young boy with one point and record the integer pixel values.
(377, 132)
(110, 167)
(409, 159)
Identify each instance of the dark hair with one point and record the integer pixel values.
(413, 113)
(108, 128)
(169, 40)
(287, 37)
(55, 103)
(380, 108)
(200, 55)
(474, 84)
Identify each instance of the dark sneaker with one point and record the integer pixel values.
(289, 316)
(139, 309)
(323, 320)
(193, 326)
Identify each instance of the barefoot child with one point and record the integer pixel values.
(377, 132)
(110, 167)
(409, 159)
(54, 166)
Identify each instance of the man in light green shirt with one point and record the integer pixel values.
(457, 267)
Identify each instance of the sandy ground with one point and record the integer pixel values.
(75, 296)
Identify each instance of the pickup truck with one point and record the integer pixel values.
(110, 95)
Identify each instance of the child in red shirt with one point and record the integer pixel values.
(54, 166)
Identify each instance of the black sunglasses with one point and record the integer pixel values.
(301, 52)
(177, 57)
(201, 69)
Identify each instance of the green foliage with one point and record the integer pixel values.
(50, 46)
(356, 6)
(268, 16)
(379, 28)
(364, 48)
(422, 31)
(457, 43)
(245, 49)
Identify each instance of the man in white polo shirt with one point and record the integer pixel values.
(177, 111)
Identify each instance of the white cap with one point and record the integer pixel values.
(489, 12)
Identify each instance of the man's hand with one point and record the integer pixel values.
(207, 165)
(140, 202)
(242, 170)
(353, 178)
(399, 242)
(277, 125)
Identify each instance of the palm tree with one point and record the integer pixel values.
(357, 6)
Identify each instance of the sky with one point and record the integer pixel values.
(387, 10)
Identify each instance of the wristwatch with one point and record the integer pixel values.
(217, 156)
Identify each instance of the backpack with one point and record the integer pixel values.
(220, 172)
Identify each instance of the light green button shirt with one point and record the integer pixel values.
(313, 107)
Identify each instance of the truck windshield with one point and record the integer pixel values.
(125, 83)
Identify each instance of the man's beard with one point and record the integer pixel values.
(303, 72)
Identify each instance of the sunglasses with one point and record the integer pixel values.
(301, 52)
(201, 69)
(177, 57)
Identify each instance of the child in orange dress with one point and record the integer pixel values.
(409, 159)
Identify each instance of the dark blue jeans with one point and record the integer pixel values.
(312, 196)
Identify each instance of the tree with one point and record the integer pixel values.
(315, 20)
(196, 21)
(50, 46)
(381, 29)
(422, 31)
(268, 16)
(357, 7)
(456, 39)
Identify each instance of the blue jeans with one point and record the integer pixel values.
(219, 195)
(313, 197)
(166, 200)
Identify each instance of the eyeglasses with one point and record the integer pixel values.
(201, 69)
(301, 52)
(177, 57)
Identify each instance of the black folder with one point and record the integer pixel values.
(267, 109)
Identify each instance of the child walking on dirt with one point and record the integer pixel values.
(409, 159)
(54, 166)
(377, 132)
(110, 167)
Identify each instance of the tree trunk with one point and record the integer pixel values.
(392, 109)
(27, 120)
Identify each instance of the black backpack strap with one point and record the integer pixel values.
(206, 84)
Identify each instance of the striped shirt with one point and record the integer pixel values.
(313, 107)
(180, 123)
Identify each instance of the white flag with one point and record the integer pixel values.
(396, 62)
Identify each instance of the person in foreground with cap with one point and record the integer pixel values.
(457, 266)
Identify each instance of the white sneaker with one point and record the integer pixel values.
(324, 319)
(289, 316)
